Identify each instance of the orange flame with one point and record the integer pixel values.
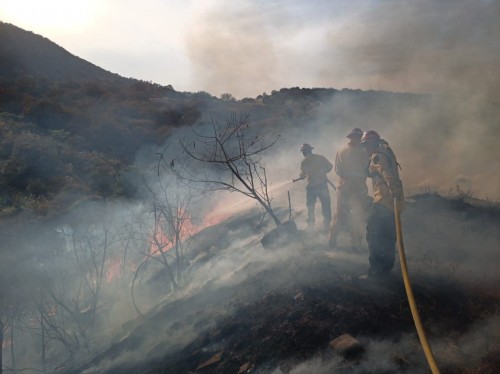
(161, 242)
(113, 270)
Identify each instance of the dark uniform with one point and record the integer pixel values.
(314, 168)
(381, 229)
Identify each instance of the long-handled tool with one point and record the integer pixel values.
(331, 184)
(409, 293)
(328, 181)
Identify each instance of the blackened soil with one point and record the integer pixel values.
(281, 315)
(276, 322)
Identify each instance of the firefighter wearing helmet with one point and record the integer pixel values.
(314, 168)
(380, 228)
(351, 165)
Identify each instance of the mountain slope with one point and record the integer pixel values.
(69, 129)
(241, 309)
(276, 311)
(25, 54)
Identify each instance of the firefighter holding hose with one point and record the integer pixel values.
(380, 228)
(315, 167)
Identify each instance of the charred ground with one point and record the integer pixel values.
(277, 312)
(66, 140)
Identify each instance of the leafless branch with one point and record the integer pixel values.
(231, 162)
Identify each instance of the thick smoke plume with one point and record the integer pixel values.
(446, 136)
(425, 46)
(448, 51)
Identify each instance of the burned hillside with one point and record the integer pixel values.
(248, 309)
(112, 260)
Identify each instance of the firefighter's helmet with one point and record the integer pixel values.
(355, 133)
(306, 147)
(370, 137)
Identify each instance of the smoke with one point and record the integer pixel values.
(461, 247)
(225, 261)
(223, 42)
(391, 356)
(442, 138)
(414, 47)
(440, 143)
(380, 356)
(431, 47)
(220, 277)
(448, 51)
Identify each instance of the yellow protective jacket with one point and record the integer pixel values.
(383, 170)
(314, 168)
(351, 165)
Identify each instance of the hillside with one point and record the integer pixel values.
(90, 126)
(25, 54)
(111, 262)
(250, 310)
(70, 130)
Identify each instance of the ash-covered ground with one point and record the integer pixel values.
(247, 309)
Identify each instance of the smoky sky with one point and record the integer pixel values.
(447, 50)
(425, 46)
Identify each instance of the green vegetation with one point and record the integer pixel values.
(78, 136)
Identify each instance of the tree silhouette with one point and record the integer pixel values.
(231, 160)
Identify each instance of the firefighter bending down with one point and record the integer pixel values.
(380, 228)
(314, 168)
(351, 165)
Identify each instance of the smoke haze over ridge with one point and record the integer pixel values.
(248, 47)
(445, 137)
(449, 51)
(426, 46)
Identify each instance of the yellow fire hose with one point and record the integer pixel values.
(409, 294)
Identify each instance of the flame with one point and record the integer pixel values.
(161, 242)
(113, 269)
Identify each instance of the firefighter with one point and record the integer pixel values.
(315, 167)
(380, 228)
(351, 166)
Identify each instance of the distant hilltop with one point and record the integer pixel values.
(25, 54)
